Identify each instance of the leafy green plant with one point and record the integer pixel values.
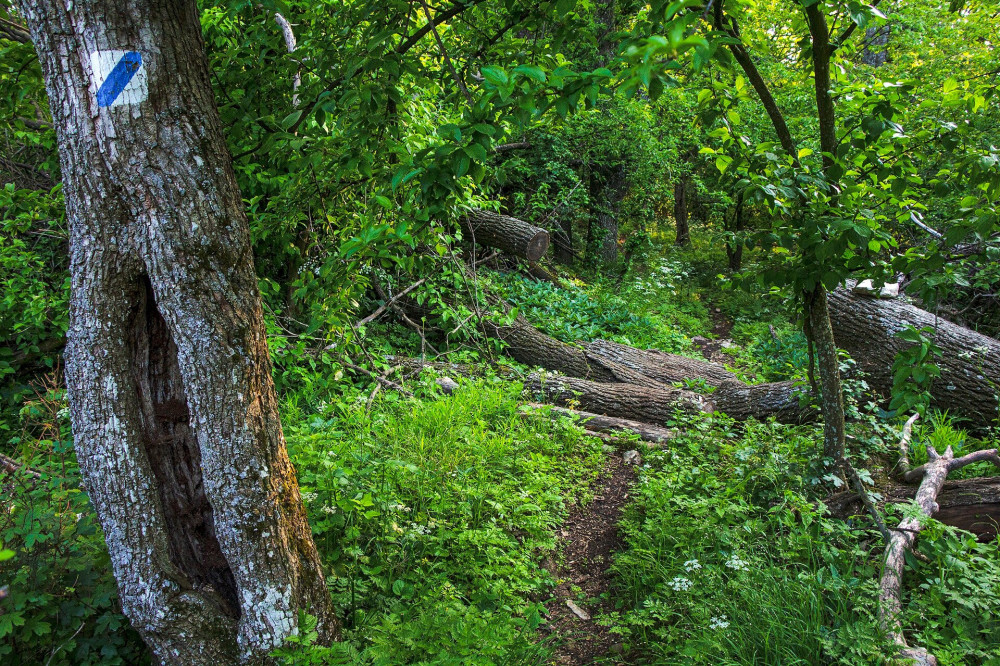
(61, 605)
(913, 370)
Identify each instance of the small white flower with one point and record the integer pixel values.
(308, 496)
(692, 565)
(720, 622)
(680, 584)
(736, 563)
(329, 509)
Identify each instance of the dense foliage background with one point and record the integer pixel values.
(357, 154)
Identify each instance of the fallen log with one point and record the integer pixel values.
(656, 404)
(609, 363)
(970, 362)
(609, 424)
(507, 234)
(785, 401)
(652, 405)
(660, 366)
(602, 360)
(528, 345)
(969, 504)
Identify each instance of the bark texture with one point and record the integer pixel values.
(174, 412)
(970, 363)
(652, 405)
(507, 234)
(655, 404)
(527, 344)
(660, 366)
(821, 336)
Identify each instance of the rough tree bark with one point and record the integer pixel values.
(622, 400)
(507, 234)
(970, 363)
(174, 412)
(606, 362)
(660, 366)
(820, 333)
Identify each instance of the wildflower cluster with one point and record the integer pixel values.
(736, 563)
(680, 584)
(720, 622)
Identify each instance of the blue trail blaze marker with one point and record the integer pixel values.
(118, 78)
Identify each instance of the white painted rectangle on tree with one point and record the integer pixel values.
(119, 77)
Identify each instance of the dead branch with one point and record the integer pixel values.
(933, 475)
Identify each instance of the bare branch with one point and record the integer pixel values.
(904, 448)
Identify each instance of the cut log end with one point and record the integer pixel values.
(537, 246)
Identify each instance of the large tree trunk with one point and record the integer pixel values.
(507, 234)
(174, 412)
(970, 362)
(607, 227)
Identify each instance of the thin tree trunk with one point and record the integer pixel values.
(817, 314)
(681, 213)
(734, 250)
(174, 412)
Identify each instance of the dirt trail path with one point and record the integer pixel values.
(588, 539)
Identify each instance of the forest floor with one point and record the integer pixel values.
(589, 538)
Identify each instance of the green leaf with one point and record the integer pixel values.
(533, 72)
(495, 75)
(291, 119)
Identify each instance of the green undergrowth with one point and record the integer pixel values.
(657, 309)
(730, 558)
(60, 604)
(665, 303)
(433, 516)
